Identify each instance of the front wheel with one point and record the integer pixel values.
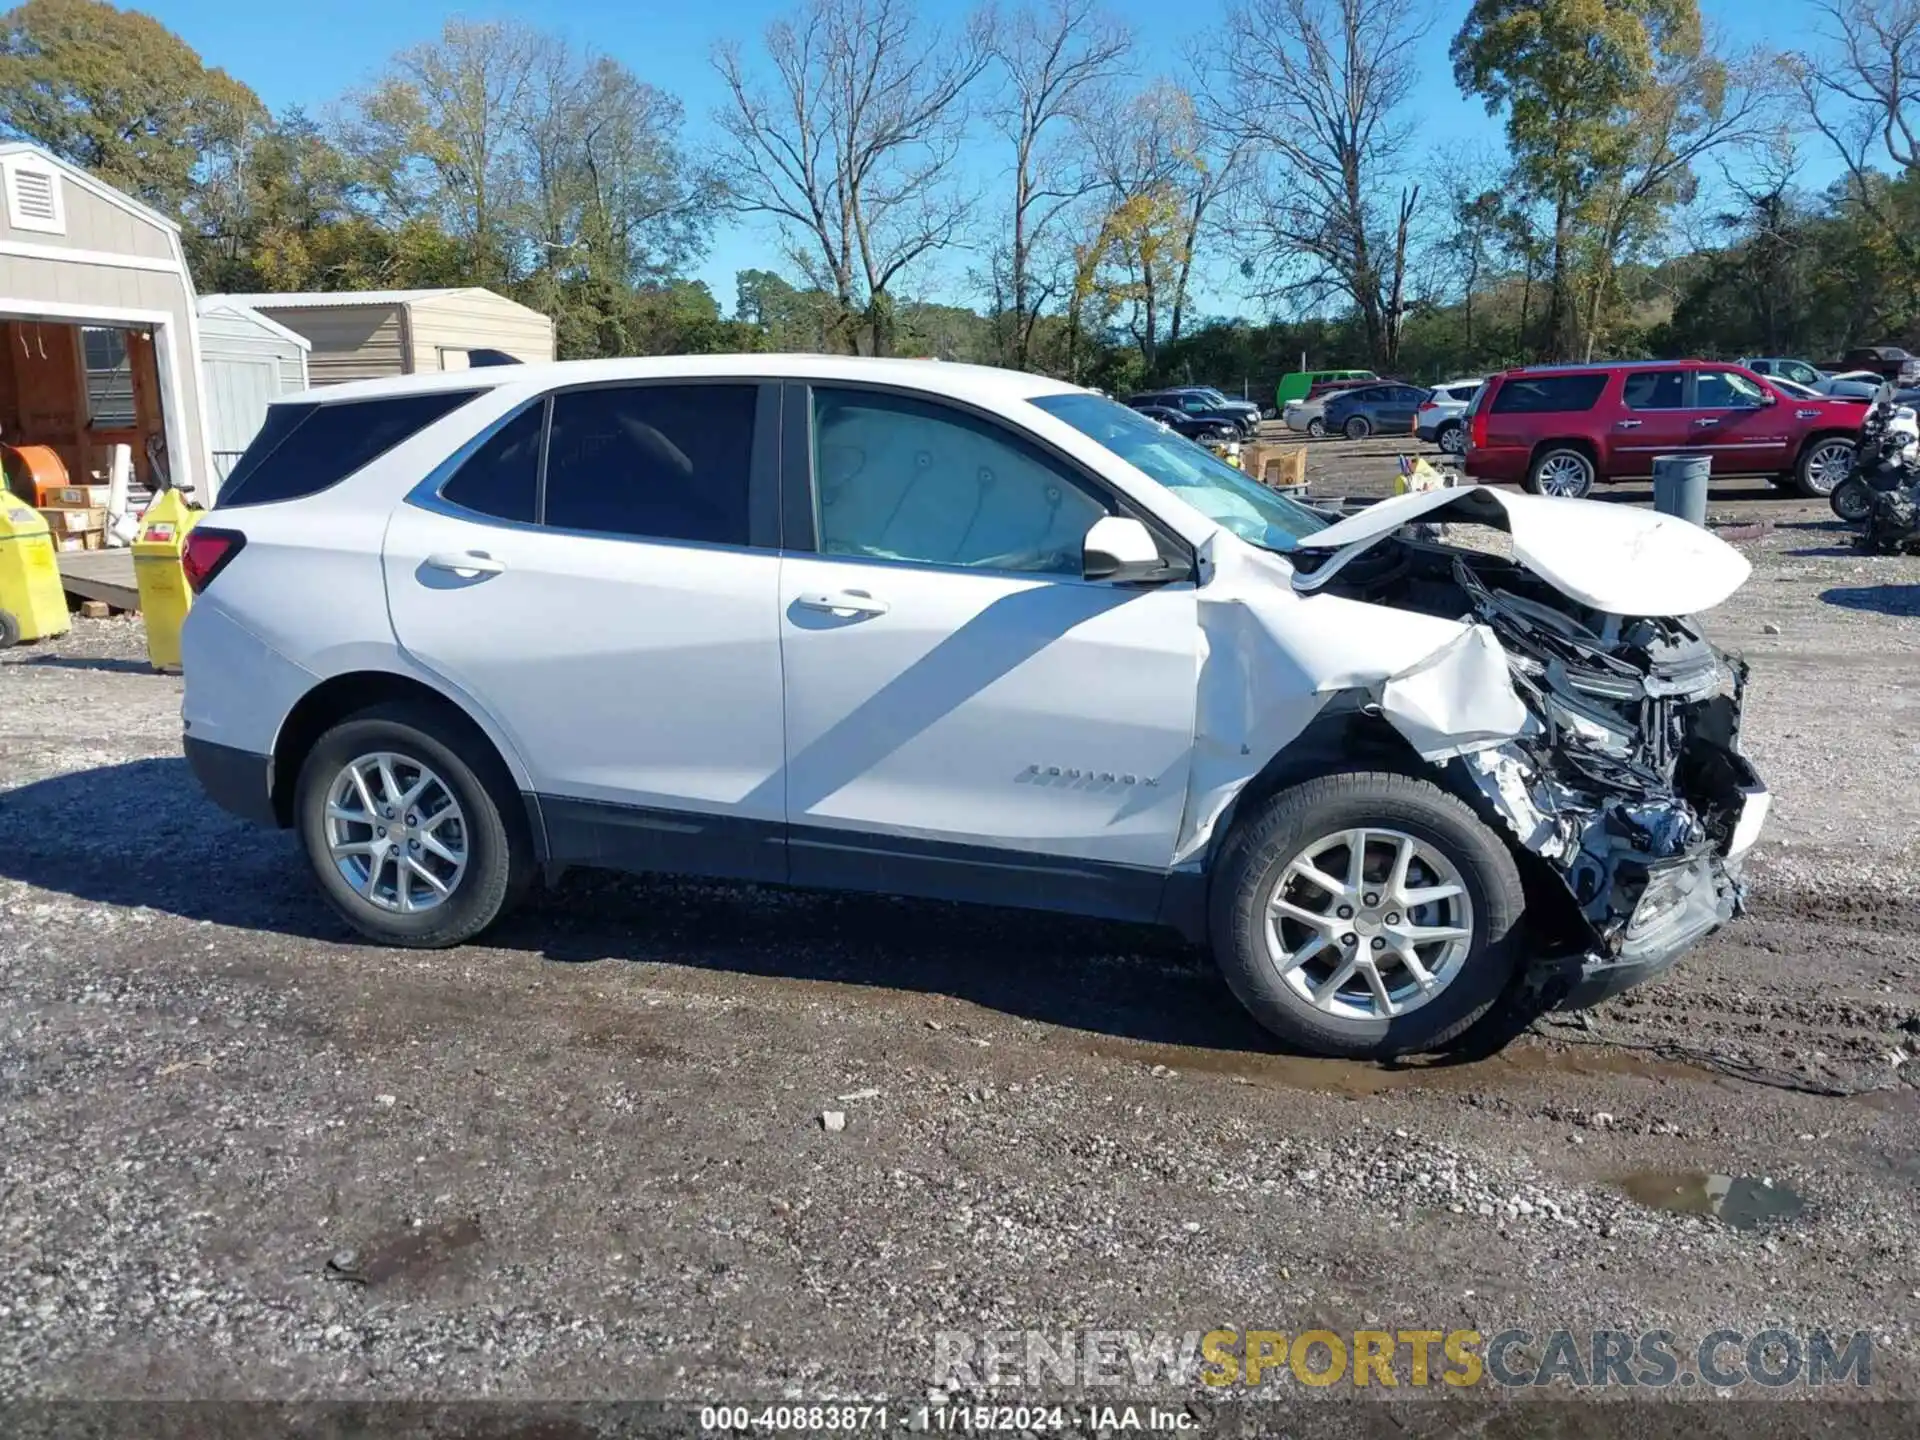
(1562, 471)
(1366, 914)
(1358, 428)
(1824, 465)
(408, 841)
(1852, 500)
(1317, 428)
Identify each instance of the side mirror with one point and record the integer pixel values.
(1120, 548)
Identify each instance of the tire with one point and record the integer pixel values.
(1317, 428)
(1452, 438)
(1358, 427)
(1822, 465)
(9, 630)
(1258, 860)
(1852, 500)
(1267, 412)
(492, 832)
(1563, 470)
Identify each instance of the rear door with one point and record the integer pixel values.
(966, 715)
(1653, 419)
(1740, 423)
(599, 573)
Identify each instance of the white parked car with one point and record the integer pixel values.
(964, 633)
(1442, 417)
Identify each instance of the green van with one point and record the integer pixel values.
(1300, 383)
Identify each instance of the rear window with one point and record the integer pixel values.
(1547, 394)
(304, 449)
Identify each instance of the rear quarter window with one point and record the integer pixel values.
(304, 449)
(1548, 394)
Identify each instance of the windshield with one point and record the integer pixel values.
(1229, 497)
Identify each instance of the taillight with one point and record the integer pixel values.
(207, 553)
(1477, 431)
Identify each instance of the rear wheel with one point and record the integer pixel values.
(1823, 465)
(1562, 470)
(1852, 500)
(408, 841)
(1452, 438)
(1317, 428)
(1358, 427)
(1366, 914)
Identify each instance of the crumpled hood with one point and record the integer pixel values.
(1616, 558)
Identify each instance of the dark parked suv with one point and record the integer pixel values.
(1387, 409)
(1203, 404)
(1559, 429)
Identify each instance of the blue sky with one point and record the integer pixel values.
(309, 55)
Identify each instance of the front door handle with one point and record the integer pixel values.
(842, 602)
(465, 563)
(1630, 424)
(1706, 420)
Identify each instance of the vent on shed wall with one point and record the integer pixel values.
(34, 200)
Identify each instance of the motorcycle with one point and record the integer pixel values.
(1886, 460)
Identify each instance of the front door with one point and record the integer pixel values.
(1745, 434)
(617, 621)
(966, 716)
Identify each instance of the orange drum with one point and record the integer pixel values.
(33, 471)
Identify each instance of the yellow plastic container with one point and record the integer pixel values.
(165, 596)
(33, 603)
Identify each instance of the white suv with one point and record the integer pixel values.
(930, 629)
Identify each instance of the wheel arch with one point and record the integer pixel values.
(345, 694)
(1582, 443)
(1350, 734)
(1852, 437)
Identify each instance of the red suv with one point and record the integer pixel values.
(1557, 429)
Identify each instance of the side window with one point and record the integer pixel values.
(1193, 404)
(902, 479)
(502, 478)
(1548, 394)
(1804, 374)
(658, 462)
(1654, 390)
(304, 449)
(1725, 390)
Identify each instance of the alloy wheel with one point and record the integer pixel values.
(1453, 440)
(396, 833)
(1369, 924)
(1565, 474)
(1828, 464)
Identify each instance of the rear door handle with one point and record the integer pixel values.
(465, 563)
(1630, 424)
(842, 602)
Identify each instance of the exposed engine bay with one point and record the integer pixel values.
(1626, 778)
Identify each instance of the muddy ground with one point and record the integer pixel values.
(246, 1155)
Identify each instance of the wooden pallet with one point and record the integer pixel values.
(101, 575)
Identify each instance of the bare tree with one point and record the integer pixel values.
(849, 144)
(1863, 96)
(1314, 90)
(1056, 58)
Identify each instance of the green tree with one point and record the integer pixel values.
(120, 95)
(1609, 104)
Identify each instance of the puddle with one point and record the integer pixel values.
(1738, 1200)
(410, 1253)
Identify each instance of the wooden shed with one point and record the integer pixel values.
(247, 362)
(366, 334)
(99, 334)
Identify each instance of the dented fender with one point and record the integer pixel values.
(1270, 660)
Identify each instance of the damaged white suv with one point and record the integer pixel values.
(926, 629)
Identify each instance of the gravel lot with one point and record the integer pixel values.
(248, 1156)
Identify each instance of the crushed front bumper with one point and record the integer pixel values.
(1706, 894)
